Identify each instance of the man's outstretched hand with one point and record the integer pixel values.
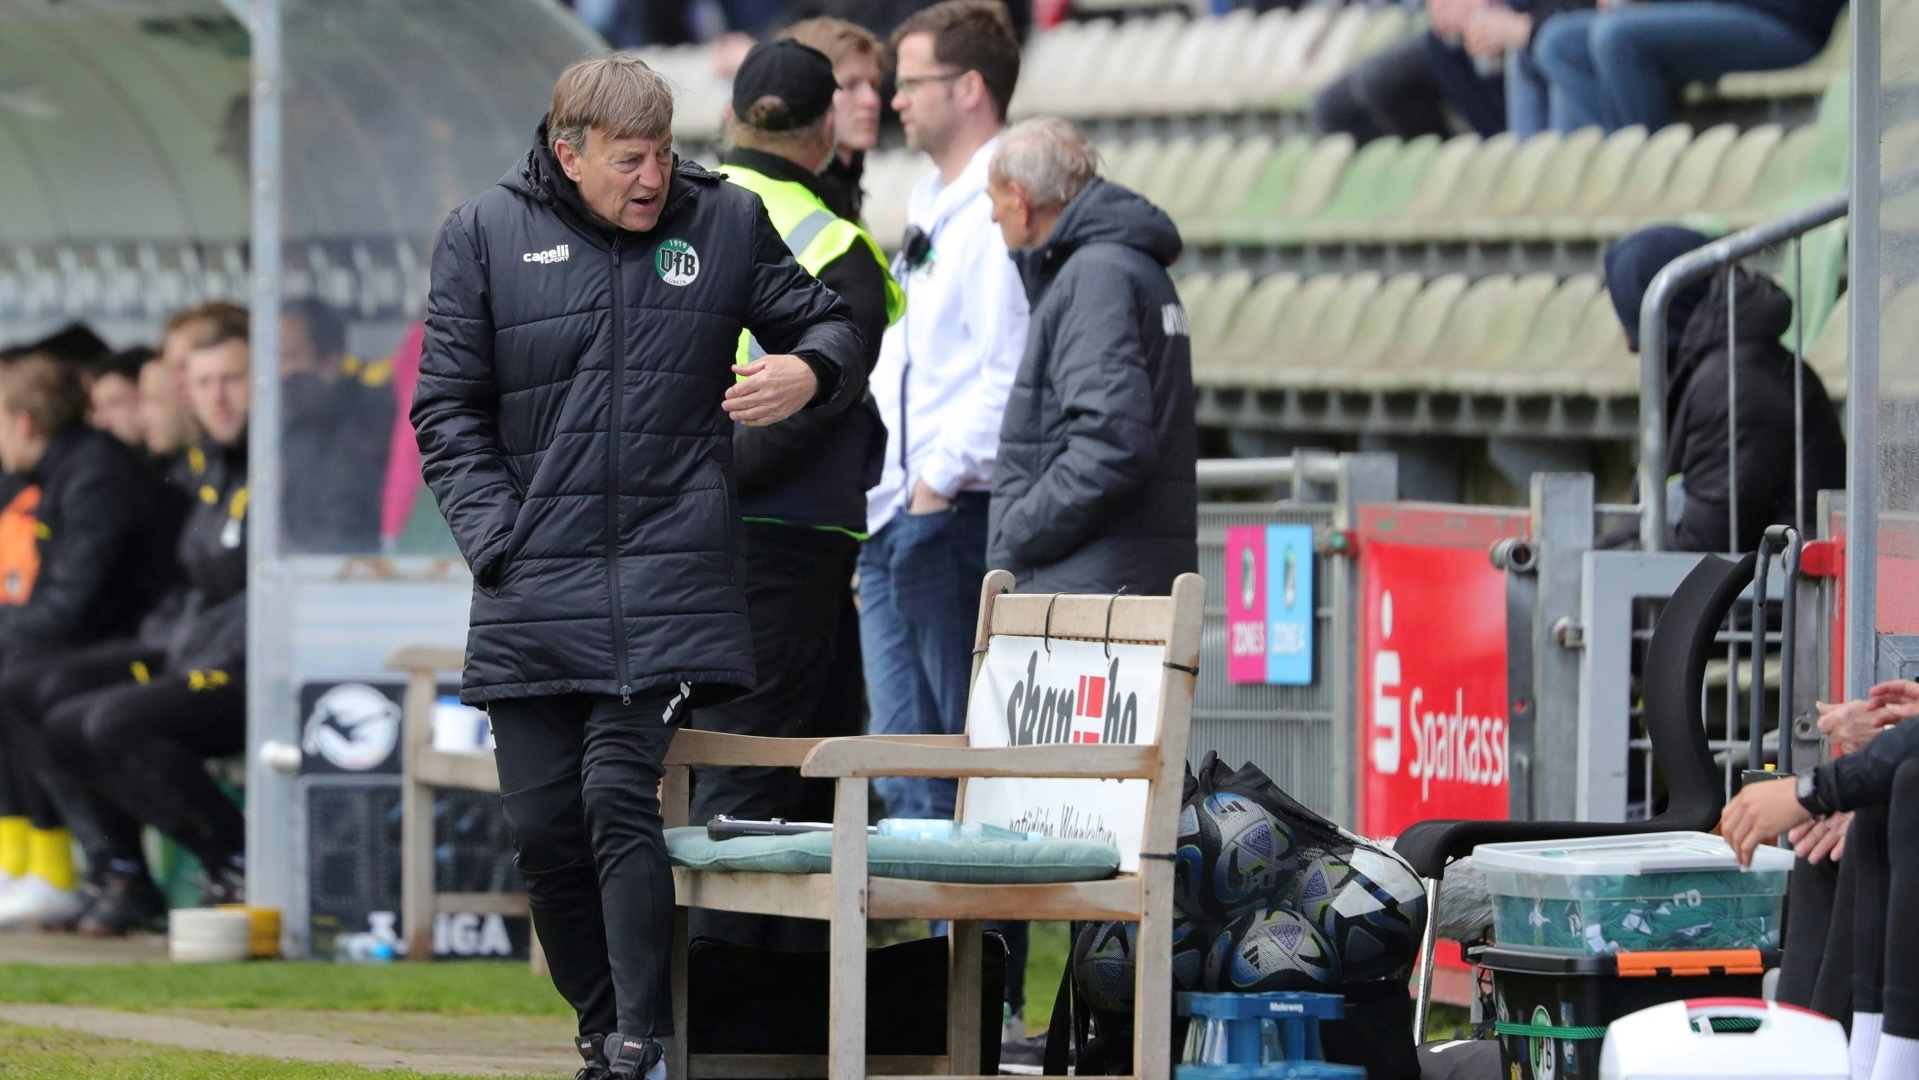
(775, 388)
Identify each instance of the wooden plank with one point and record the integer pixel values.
(846, 1042)
(676, 797)
(1153, 1024)
(416, 819)
(720, 748)
(432, 659)
(804, 896)
(1141, 619)
(1114, 898)
(782, 1066)
(465, 772)
(964, 946)
(878, 757)
(479, 903)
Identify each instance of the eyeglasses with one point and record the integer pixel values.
(909, 83)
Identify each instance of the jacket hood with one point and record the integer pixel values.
(1762, 312)
(1633, 262)
(1103, 212)
(538, 176)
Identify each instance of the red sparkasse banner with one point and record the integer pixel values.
(1432, 686)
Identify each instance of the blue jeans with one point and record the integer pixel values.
(919, 609)
(1620, 67)
(1529, 98)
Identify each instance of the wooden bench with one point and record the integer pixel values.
(425, 771)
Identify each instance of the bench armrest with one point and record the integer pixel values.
(873, 756)
(720, 748)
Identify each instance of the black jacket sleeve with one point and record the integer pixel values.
(455, 407)
(1864, 777)
(793, 313)
(95, 511)
(1096, 364)
(762, 456)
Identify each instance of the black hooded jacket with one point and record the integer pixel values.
(569, 421)
(203, 626)
(1696, 410)
(98, 575)
(1095, 488)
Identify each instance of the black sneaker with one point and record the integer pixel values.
(591, 1049)
(224, 886)
(636, 1058)
(127, 902)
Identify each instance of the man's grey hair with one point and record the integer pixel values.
(1048, 158)
(618, 94)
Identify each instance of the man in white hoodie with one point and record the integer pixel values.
(944, 373)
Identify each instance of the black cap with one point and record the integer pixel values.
(799, 75)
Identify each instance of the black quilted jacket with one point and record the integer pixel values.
(569, 421)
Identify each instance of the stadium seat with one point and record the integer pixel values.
(1192, 82)
(1278, 361)
(1504, 338)
(1750, 158)
(1805, 80)
(1294, 186)
(1646, 159)
(1322, 351)
(1191, 188)
(1670, 178)
(1549, 345)
(1163, 172)
(1524, 170)
(1585, 161)
(1379, 326)
(1373, 188)
(1433, 194)
(1266, 78)
(1228, 188)
(1330, 57)
(1467, 335)
(1603, 366)
(1830, 352)
(1350, 194)
(1399, 366)
(1247, 339)
(1132, 164)
(1210, 315)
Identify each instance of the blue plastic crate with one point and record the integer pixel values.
(1296, 1016)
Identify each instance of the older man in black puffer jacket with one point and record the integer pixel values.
(580, 338)
(1095, 489)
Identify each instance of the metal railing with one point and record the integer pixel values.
(1686, 269)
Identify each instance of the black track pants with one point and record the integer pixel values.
(51, 793)
(1901, 995)
(806, 650)
(144, 747)
(579, 781)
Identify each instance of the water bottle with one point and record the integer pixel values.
(940, 829)
(362, 949)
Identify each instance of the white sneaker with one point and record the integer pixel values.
(32, 901)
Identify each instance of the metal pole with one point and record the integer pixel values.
(1862, 395)
(270, 870)
(1665, 285)
(1799, 384)
(1732, 411)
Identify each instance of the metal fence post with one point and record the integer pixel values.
(1363, 478)
(1562, 513)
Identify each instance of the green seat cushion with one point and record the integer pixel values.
(962, 862)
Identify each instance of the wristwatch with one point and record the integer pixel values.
(1810, 798)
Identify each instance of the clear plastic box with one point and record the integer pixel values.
(1653, 892)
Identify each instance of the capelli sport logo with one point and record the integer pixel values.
(677, 263)
(551, 255)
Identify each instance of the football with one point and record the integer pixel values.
(1233, 857)
(1264, 951)
(1103, 965)
(1374, 915)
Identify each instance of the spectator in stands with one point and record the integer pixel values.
(337, 417)
(113, 396)
(74, 343)
(1094, 489)
(1619, 65)
(802, 483)
(1877, 783)
(1406, 88)
(1504, 34)
(131, 721)
(859, 66)
(1699, 349)
(943, 376)
(94, 579)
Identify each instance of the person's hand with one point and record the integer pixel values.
(1492, 30)
(1450, 16)
(1761, 811)
(1822, 838)
(1852, 724)
(926, 500)
(775, 388)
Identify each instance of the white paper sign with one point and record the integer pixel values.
(1074, 692)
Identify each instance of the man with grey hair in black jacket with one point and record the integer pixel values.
(1095, 489)
(575, 415)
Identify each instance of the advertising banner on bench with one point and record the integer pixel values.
(1035, 692)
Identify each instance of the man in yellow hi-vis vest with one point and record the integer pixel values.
(802, 483)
